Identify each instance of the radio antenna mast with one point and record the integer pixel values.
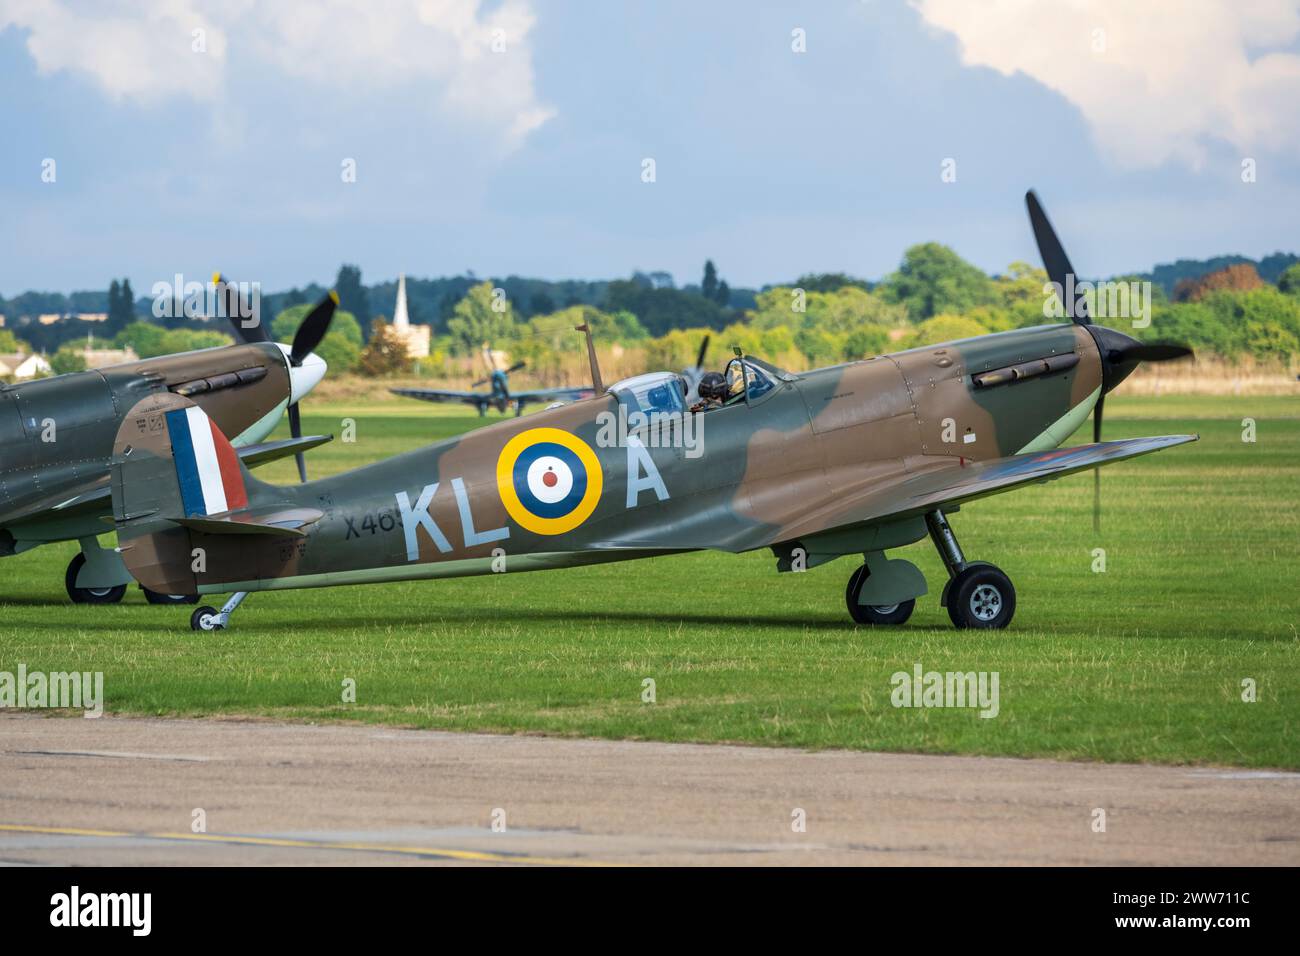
(596, 382)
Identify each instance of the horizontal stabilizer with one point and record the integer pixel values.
(285, 522)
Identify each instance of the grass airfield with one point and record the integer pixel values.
(1144, 662)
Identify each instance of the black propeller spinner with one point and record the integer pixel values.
(1120, 354)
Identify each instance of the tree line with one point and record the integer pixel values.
(933, 296)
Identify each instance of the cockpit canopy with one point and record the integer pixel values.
(652, 392)
(757, 380)
(666, 391)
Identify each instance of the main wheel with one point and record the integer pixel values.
(153, 597)
(89, 595)
(982, 597)
(870, 614)
(205, 619)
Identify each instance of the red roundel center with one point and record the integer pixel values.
(549, 479)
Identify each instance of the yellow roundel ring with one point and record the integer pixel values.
(550, 480)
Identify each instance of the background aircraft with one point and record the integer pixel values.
(499, 396)
(56, 437)
(855, 459)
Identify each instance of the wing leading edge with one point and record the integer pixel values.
(552, 394)
(443, 395)
(957, 484)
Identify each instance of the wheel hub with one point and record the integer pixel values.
(986, 602)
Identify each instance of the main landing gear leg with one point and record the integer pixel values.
(210, 619)
(977, 595)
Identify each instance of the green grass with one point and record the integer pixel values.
(1143, 662)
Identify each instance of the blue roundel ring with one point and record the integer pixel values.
(528, 496)
(549, 480)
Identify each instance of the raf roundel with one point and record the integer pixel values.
(549, 479)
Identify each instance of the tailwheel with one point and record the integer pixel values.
(89, 595)
(870, 614)
(154, 597)
(210, 619)
(206, 618)
(981, 596)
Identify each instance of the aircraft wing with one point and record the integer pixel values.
(260, 454)
(959, 483)
(443, 395)
(553, 394)
(791, 513)
(95, 494)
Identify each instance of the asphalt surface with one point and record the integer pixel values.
(124, 791)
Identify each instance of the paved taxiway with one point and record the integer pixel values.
(124, 791)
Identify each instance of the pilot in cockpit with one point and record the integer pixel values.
(712, 391)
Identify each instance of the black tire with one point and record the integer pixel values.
(981, 597)
(197, 622)
(89, 595)
(866, 614)
(153, 597)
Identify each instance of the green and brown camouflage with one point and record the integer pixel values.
(842, 460)
(57, 436)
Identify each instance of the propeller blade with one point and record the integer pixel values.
(1096, 472)
(1096, 500)
(516, 367)
(313, 328)
(295, 429)
(236, 309)
(481, 381)
(1158, 352)
(1055, 261)
(704, 348)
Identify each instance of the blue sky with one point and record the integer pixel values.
(528, 160)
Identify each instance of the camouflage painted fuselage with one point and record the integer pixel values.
(826, 460)
(57, 434)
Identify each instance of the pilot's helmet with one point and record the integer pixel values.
(713, 386)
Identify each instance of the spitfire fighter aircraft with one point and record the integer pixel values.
(499, 396)
(56, 438)
(857, 459)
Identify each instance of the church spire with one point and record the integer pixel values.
(400, 318)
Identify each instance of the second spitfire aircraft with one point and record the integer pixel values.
(499, 396)
(56, 436)
(856, 459)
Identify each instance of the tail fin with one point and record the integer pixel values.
(207, 468)
(176, 478)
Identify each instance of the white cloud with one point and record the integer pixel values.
(1172, 76)
(142, 50)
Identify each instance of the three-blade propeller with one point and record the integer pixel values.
(311, 331)
(1120, 354)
